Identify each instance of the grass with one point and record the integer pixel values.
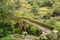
(58, 23)
(8, 38)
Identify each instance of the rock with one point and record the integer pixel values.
(24, 33)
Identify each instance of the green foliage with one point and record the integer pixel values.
(35, 31)
(46, 17)
(30, 2)
(5, 28)
(31, 29)
(27, 27)
(17, 5)
(17, 31)
(8, 38)
(57, 10)
(47, 3)
(57, 26)
(45, 37)
(51, 22)
(41, 3)
(34, 10)
(8, 7)
(1, 30)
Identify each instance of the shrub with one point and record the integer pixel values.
(57, 26)
(31, 29)
(46, 17)
(17, 31)
(34, 10)
(45, 37)
(51, 22)
(35, 31)
(27, 27)
(47, 3)
(5, 28)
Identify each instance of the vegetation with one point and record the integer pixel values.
(23, 19)
(8, 38)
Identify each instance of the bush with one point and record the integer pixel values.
(34, 10)
(45, 37)
(17, 31)
(51, 22)
(35, 31)
(31, 29)
(47, 3)
(5, 28)
(27, 27)
(46, 17)
(57, 26)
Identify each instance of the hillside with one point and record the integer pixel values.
(29, 19)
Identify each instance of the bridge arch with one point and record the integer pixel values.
(44, 27)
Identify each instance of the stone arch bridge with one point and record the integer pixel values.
(44, 27)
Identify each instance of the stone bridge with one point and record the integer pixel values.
(44, 27)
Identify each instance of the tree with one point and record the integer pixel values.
(8, 7)
(55, 6)
(34, 10)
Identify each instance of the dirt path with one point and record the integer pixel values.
(27, 37)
